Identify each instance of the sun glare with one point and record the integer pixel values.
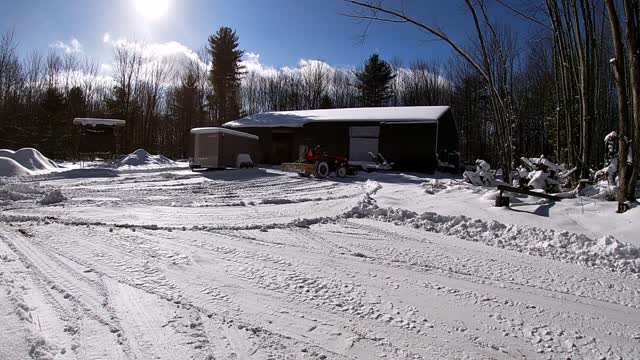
(151, 9)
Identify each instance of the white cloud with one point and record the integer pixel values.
(252, 64)
(106, 37)
(171, 51)
(72, 47)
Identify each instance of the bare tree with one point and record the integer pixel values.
(499, 94)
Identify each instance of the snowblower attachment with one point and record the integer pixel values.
(303, 169)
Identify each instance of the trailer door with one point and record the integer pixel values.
(208, 148)
(363, 139)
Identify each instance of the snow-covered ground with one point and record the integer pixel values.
(159, 262)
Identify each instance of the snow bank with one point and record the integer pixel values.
(606, 252)
(6, 153)
(601, 190)
(18, 191)
(434, 186)
(33, 160)
(9, 167)
(53, 197)
(141, 157)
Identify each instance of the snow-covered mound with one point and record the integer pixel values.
(141, 157)
(606, 252)
(33, 160)
(601, 190)
(53, 197)
(6, 153)
(9, 167)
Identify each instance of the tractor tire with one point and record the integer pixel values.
(341, 171)
(322, 169)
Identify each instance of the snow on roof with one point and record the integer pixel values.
(217, 130)
(96, 121)
(405, 114)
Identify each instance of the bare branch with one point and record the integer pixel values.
(373, 18)
(522, 14)
(428, 28)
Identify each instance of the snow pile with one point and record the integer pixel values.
(141, 157)
(434, 186)
(607, 252)
(371, 187)
(33, 160)
(53, 197)
(601, 190)
(6, 153)
(9, 167)
(17, 191)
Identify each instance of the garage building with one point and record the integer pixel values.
(415, 138)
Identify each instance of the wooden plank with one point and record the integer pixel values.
(527, 192)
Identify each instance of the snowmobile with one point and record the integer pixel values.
(381, 163)
(482, 176)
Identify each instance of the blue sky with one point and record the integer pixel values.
(282, 31)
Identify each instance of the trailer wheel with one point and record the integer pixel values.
(341, 171)
(322, 169)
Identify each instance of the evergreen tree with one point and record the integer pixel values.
(326, 102)
(225, 75)
(52, 125)
(374, 81)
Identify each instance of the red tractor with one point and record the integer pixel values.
(317, 163)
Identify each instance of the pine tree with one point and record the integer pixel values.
(326, 102)
(53, 123)
(226, 72)
(374, 81)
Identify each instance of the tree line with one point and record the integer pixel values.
(163, 99)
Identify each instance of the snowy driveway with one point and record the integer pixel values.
(261, 264)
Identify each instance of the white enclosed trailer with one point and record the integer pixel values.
(215, 148)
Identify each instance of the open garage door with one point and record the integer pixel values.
(363, 139)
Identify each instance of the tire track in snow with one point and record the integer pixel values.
(69, 308)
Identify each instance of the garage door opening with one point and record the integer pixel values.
(363, 139)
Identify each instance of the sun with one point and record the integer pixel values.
(151, 9)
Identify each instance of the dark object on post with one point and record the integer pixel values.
(502, 188)
(503, 201)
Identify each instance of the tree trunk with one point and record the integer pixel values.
(632, 15)
(618, 71)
